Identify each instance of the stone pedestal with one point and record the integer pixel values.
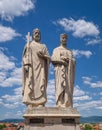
(52, 119)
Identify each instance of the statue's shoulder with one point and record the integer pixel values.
(57, 48)
(43, 45)
(69, 50)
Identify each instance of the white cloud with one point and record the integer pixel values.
(80, 28)
(84, 97)
(51, 70)
(51, 93)
(91, 104)
(88, 81)
(18, 91)
(78, 91)
(100, 93)
(80, 95)
(10, 75)
(3, 49)
(1, 102)
(94, 41)
(5, 62)
(16, 115)
(99, 107)
(80, 53)
(10, 106)
(14, 100)
(7, 33)
(11, 81)
(12, 8)
(19, 114)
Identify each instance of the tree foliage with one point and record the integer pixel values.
(87, 127)
(2, 126)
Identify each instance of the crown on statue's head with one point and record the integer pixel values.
(64, 35)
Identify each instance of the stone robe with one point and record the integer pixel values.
(35, 79)
(64, 76)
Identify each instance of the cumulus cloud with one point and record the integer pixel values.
(100, 93)
(1, 101)
(12, 8)
(80, 95)
(11, 80)
(7, 33)
(94, 41)
(14, 100)
(51, 70)
(78, 91)
(17, 115)
(99, 107)
(91, 104)
(84, 97)
(80, 53)
(88, 81)
(8, 63)
(51, 93)
(79, 28)
(10, 74)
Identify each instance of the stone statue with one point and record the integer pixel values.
(64, 65)
(35, 71)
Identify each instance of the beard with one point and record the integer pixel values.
(37, 38)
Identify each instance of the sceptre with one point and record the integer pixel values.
(28, 45)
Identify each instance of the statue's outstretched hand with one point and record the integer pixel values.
(41, 55)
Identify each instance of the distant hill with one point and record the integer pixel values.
(93, 119)
(12, 120)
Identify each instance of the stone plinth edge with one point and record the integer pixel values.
(52, 112)
(45, 118)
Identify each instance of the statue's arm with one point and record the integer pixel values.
(44, 53)
(26, 57)
(69, 57)
(57, 60)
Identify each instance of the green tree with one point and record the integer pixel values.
(2, 126)
(87, 127)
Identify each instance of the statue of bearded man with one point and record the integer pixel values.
(35, 71)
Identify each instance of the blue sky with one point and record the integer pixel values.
(81, 20)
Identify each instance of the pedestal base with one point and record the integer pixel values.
(52, 119)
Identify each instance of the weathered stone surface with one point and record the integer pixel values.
(35, 71)
(52, 112)
(64, 64)
(52, 119)
(35, 74)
